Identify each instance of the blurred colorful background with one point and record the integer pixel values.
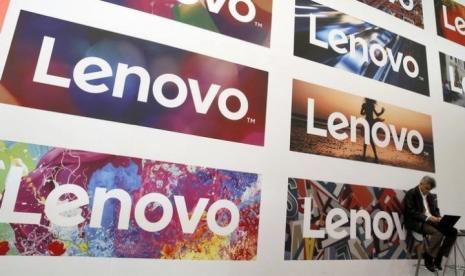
(73, 42)
(257, 31)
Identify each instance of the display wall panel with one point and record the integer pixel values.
(371, 220)
(93, 73)
(453, 73)
(332, 123)
(248, 20)
(410, 11)
(336, 39)
(274, 161)
(450, 20)
(131, 208)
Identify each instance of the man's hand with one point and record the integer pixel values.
(434, 219)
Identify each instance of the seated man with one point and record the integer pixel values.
(422, 216)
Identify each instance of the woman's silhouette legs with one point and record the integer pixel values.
(373, 146)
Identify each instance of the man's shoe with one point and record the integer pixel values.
(438, 262)
(429, 264)
(430, 267)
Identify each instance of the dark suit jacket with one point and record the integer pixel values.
(414, 216)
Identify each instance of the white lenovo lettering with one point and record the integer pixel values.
(458, 24)
(339, 42)
(88, 82)
(454, 87)
(336, 218)
(338, 121)
(406, 4)
(69, 213)
(7, 213)
(215, 6)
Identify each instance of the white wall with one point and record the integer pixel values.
(274, 161)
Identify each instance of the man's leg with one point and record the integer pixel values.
(435, 239)
(450, 237)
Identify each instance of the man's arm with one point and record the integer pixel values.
(411, 210)
(434, 206)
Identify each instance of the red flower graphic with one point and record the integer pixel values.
(56, 248)
(4, 248)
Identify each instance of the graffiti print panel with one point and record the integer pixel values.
(332, 123)
(64, 67)
(410, 11)
(248, 20)
(62, 202)
(335, 39)
(335, 221)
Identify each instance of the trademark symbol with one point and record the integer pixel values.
(258, 24)
(250, 120)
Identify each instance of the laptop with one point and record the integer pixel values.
(448, 221)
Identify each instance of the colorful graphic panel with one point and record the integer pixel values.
(450, 20)
(339, 40)
(332, 123)
(248, 20)
(335, 221)
(410, 11)
(90, 204)
(453, 79)
(69, 68)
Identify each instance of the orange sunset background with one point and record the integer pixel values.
(329, 100)
(3, 8)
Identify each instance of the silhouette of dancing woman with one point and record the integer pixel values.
(369, 110)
